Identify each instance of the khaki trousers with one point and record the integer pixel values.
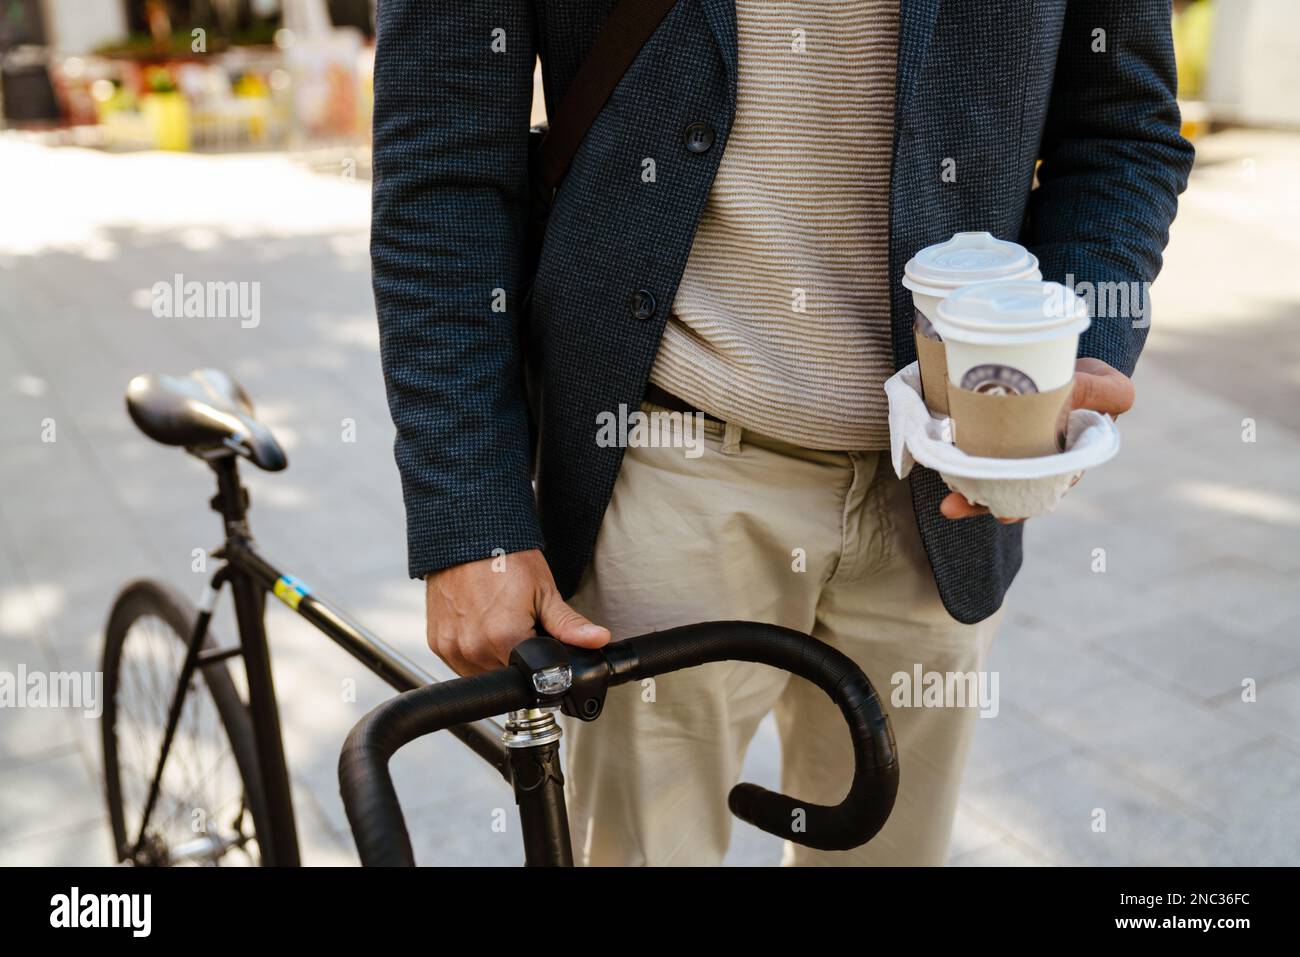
(755, 528)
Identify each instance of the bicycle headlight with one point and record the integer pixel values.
(553, 681)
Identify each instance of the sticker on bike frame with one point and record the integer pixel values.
(290, 591)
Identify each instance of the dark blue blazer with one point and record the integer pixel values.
(990, 85)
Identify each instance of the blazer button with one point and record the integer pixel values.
(643, 304)
(698, 137)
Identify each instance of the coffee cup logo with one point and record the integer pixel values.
(995, 379)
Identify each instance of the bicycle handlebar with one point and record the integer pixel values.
(367, 788)
(376, 817)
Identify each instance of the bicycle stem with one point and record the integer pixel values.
(532, 739)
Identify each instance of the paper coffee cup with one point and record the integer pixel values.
(1010, 348)
(938, 270)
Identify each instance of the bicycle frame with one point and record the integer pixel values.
(542, 813)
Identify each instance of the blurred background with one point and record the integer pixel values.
(226, 140)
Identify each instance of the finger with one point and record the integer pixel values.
(450, 654)
(1109, 392)
(564, 624)
(488, 654)
(502, 639)
(956, 506)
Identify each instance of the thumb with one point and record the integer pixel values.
(1111, 392)
(564, 624)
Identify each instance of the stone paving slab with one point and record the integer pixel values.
(1054, 808)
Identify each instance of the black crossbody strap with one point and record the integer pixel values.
(621, 38)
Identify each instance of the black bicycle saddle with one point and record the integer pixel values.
(203, 411)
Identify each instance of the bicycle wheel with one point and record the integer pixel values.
(210, 808)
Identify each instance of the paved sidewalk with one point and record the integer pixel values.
(1121, 691)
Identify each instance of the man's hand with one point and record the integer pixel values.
(1097, 386)
(477, 612)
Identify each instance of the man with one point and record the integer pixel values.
(730, 239)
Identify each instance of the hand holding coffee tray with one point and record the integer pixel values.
(1010, 488)
(988, 403)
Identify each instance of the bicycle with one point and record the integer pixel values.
(251, 818)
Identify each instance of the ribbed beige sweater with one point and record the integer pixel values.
(781, 321)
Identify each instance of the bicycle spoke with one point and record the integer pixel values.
(199, 773)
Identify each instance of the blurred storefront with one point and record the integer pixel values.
(1238, 62)
(232, 74)
(1251, 71)
(189, 74)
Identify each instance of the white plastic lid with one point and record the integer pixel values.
(1011, 311)
(966, 258)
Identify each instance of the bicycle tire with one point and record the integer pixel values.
(144, 599)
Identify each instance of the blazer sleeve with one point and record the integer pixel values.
(453, 94)
(1113, 162)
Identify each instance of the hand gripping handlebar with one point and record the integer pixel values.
(528, 682)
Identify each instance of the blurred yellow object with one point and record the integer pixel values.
(1194, 126)
(250, 84)
(1193, 28)
(366, 101)
(168, 118)
(110, 99)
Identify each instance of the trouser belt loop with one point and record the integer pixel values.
(731, 434)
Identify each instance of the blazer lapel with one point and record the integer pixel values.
(915, 26)
(721, 15)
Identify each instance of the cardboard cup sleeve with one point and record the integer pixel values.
(934, 372)
(1009, 426)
